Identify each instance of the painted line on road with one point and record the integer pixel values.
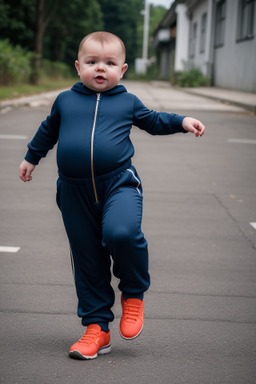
(242, 141)
(253, 225)
(13, 137)
(9, 249)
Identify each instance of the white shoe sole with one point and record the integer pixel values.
(131, 338)
(78, 355)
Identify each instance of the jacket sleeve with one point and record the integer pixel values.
(156, 123)
(45, 138)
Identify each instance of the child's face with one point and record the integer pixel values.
(100, 66)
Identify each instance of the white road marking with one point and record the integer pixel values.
(242, 141)
(253, 225)
(9, 249)
(13, 137)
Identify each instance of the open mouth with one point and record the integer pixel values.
(100, 79)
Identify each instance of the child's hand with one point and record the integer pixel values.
(25, 170)
(194, 126)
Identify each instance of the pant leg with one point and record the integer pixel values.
(91, 261)
(122, 235)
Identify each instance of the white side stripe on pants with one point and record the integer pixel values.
(136, 178)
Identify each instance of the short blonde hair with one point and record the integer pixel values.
(103, 37)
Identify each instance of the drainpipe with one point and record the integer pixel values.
(209, 46)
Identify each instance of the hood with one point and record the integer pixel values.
(80, 88)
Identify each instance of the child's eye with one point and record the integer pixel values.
(92, 62)
(110, 63)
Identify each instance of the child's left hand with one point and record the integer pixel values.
(194, 126)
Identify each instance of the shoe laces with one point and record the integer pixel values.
(89, 336)
(132, 312)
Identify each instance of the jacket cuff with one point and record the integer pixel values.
(32, 158)
(177, 120)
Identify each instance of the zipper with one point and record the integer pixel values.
(92, 141)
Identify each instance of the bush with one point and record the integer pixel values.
(55, 70)
(191, 78)
(15, 64)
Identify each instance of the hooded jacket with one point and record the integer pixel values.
(93, 130)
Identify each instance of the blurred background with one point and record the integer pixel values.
(40, 38)
(185, 42)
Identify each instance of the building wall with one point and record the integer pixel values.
(235, 62)
(197, 57)
(231, 64)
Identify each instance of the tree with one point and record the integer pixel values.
(50, 28)
(17, 22)
(66, 22)
(122, 19)
(71, 23)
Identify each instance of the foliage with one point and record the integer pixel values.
(122, 19)
(63, 23)
(190, 78)
(15, 63)
(16, 67)
(72, 21)
(55, 70)
(17, 22)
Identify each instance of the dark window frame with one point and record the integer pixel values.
(203, 32)
(220, 23)
(193, 39)
(245, 20)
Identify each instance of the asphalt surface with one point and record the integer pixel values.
(199, 210)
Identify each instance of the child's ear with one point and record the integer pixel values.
(77, 65)
(124, 69)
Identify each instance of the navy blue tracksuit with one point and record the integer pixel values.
(99, 192)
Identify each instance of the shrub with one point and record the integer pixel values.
(55, 70)
(16, 66)
(190, 78)
(15, 63)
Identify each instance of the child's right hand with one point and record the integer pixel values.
(25, 170)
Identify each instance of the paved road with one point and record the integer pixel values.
(200, 315)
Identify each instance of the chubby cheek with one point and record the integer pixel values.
(85, 76)
(114, 77)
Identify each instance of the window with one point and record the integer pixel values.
(192, 43)
(245, 19)
(220, 23)
(203, 32)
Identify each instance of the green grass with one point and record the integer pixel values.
(11, 92)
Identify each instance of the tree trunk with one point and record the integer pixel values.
(38, 45)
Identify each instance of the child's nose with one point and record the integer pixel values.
(100, 67)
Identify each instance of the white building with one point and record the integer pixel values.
(216, 36)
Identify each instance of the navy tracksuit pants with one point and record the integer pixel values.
(98, 230)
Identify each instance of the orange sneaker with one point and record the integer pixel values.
(93, 343)
(131, 323)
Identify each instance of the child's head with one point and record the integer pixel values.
(101, 61)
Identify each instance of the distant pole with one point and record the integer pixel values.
(145, 31)
(141, 63)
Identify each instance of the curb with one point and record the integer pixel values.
(39, 99)
(249, 107)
